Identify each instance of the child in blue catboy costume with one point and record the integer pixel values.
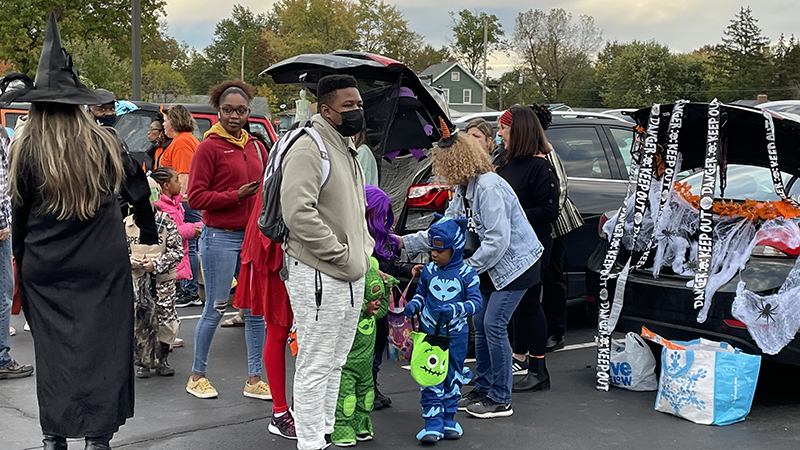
(448, 292)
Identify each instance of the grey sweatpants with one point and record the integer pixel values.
(324, 339)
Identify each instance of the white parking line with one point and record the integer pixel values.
(577, 346)
(566, 348)
(197, 316)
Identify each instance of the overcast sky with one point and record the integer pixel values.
(683, 25)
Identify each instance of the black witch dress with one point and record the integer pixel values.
(77, 294)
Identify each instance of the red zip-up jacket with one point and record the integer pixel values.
(218, 170)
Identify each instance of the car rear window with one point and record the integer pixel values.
(745, 183)
(581, 151)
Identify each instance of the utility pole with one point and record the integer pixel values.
(520, 86)
(243, 63)
(136, 46)
(485, 56)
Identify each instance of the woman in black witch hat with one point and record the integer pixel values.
(72, 260)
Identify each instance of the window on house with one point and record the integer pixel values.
(455, 76)
(446, 95)
(467, 96)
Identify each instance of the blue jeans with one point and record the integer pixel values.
(192, 286)
(493, 374)
(220, 251)
(6, 296)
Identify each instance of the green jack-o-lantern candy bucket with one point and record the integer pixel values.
(429, 358)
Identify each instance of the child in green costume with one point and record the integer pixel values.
(357, 389)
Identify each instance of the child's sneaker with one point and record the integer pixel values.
(453, 431)
(364, 437)
(259, 390)
(142, 372)
(201, 388)
(283, 426)
(429, 437)
(489, 408)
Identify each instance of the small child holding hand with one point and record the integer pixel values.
(357, 388)
(447, 292)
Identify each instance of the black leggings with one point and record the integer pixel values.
(529, 324)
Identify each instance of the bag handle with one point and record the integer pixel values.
(403, 294)
(437, 330)
(681, 361)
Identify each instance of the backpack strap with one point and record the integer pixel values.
(323, 154)
(275, 159)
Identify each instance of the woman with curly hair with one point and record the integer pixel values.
(534, 181)
(505, 259)
(226, 173)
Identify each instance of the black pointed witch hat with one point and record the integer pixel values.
(56, 80)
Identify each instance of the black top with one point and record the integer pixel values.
(536, 185)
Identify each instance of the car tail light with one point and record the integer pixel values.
(733, 323)
(591, 298)
(428, 196)
(774, 249)
(603, 219)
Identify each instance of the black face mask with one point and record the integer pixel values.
(352, 122)
(106, 121)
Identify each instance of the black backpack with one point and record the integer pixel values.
(270, 221)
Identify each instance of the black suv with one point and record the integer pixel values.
(596, 155)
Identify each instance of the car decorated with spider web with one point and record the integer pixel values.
(714, 255)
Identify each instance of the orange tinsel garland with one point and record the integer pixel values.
(750, 209)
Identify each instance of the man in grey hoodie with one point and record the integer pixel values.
(328, 249)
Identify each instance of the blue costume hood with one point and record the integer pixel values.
(453, 234)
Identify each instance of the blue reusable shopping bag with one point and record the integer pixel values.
(711, 383)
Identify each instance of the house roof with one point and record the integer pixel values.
(437, 71)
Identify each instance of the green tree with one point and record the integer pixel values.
(382, 29)
(554, 47)
(24, 23)
(786, 63)
(161, 83)
(96, 62)
(467, 42)
(200, 73)
(744, 55)
(242, 29)
(426, 56)
(639, 74)
(313, 26)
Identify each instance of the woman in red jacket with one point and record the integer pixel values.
(225, 174)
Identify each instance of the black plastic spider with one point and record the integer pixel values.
(766, 310)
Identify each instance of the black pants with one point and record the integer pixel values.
(554, 287)
(529, 324)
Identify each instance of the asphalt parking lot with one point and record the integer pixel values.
(571, 415)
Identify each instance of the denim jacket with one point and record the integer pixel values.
(508, 247)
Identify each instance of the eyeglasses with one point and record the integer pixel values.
(242, 110)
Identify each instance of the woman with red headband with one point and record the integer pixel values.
(534, 181)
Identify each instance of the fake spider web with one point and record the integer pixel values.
(772, 320)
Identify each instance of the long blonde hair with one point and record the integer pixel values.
(461, 161)
(73, 161)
